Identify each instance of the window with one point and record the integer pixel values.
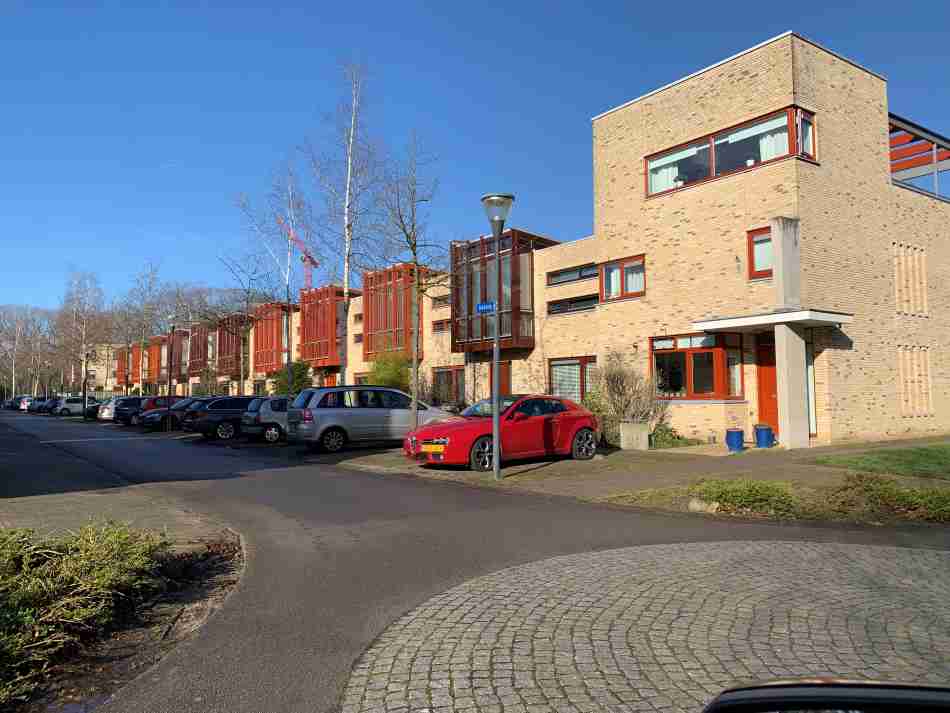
(571, 378)
(369, 399)
(806, 133)
(774, 136)
(394, 400)
(337, 399)
(751, 144)
(442, 325)
(358, 317)
(700, 366)
(574, 304)
(760, 253)
(361, 379)
(448, 385)
(572, 274)
(441, 301)
(358, 338)
(679, 167)
(623, 278)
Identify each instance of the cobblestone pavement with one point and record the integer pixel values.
(662, 628)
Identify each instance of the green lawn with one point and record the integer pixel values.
(923, 462)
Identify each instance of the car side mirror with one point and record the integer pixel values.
(818, 695)
(519, 416)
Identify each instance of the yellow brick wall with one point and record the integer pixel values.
(850, 216)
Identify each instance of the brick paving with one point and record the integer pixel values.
(662, 628)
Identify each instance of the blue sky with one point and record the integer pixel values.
(127, 131)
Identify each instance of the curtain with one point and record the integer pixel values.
(773, 144)
(663, 178)
(762, 253)
(566, 380)
(633, 278)
(612, 281)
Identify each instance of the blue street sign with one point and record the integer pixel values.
(485, 308)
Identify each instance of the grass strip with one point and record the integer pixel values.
(921, 462)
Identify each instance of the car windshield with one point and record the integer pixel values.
(181, 405)
(483, 408)
(255, 405)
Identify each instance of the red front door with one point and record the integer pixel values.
(768, 388)
(504, 381)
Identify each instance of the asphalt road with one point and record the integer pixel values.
(335, 556)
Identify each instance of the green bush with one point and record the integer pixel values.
(748, 496)
(665, 436)
(391, 369)
(609, 427)
(57, 594)
(885, 497)
(300, 370)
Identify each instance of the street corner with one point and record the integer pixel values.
(662, 628)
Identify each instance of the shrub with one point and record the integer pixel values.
(300, 370)
(56, 594)
(619, 392)
(665, 436)
(884, 497)
(748, 496)
(390, 369)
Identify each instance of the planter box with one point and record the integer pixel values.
(634, 436)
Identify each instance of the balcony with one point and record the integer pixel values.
(474, 280)
(920, 158)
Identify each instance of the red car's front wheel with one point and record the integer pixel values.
(480, 458)
(585, 445)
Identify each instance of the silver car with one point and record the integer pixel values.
(266, 416)
(70, 406)
(107, 410)
(331, 417)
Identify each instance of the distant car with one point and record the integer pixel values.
(266, 417)
(92, 410)
(166, 418)
(70, 406)
(14, 403)
(24, 404)
(35, 405)
(331, 417)
(531, 426)
(129, 412)
(107, 409)
(190, 416)
(218, 417)
(47, 406)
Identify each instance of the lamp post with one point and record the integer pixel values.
(497, 206)
(169, 358)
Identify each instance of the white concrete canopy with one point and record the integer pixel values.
(756, 322)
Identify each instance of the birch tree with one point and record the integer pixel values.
(405, 197)
(346, 174)
(84, 321)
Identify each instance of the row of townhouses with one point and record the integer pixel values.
(770, 243)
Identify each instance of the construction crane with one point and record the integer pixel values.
(308, 260)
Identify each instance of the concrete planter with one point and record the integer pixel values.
(634, 436)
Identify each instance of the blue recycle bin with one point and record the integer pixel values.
(735, 437)
(764, 437)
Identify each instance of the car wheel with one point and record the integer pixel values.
(63, 412)
(333, 440)
(135, 420)
(225, 431)
(272, 433)
(480, 458)
(585, 445)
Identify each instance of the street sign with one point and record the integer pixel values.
(485, 308)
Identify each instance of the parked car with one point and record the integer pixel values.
(531, 426)
(331, 417)
(69, 406)
(166, 418)
(48, 405)
(107, 409)
(24, 404)
(129, 412)
(266, 417)
(35, 405)
(92, 410)
(218, 417)
(14, 403)
(191, 412)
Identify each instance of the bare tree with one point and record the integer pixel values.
(347, 177)
(84, 322)
(13, 322)
(405, 196)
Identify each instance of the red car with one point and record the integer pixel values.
(531, 426)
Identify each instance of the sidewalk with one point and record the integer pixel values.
(623, 471)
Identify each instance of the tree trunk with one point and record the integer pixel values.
(414, 333)
(347, 220)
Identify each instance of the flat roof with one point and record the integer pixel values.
(787, 33)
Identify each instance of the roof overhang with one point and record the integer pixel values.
(758, 322)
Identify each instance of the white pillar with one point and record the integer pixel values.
(791, 380)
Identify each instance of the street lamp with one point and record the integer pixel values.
(497, 206)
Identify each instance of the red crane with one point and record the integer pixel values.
(308, 260)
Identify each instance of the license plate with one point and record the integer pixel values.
(432, 448)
